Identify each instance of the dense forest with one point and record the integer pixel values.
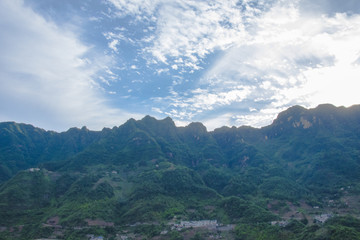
(298, 178)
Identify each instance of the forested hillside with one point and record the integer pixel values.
(298, 178)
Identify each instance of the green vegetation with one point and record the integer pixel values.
(144, 175)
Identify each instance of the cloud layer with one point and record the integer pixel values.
(187, 31)
(45, 77)
(292, 58)
(222, 62)
(274, 54)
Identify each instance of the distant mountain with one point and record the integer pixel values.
(306, 163)
(23, 146)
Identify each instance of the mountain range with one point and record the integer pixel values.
(297, 178)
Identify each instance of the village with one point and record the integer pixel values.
(128, 233)
(212, 228)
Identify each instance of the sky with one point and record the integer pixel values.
(97, 63)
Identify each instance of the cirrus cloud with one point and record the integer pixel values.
(187, 31)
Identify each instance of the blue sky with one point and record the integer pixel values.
(97, 63)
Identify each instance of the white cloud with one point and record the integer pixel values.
(136, 7)
(218, 121)
(115, 38)
(256, 119)
(157, 110)
(272, 54)
(292, 58)
(277, 55)
(187, 30)
(191, 30)
(184, 108)
(44, 76)
(113, 45)
(206, 100)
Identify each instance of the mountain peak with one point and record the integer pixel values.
(150, 121)
(151, 166)
(197, 127)
(292, 111)
(148, 118)
(327, 106)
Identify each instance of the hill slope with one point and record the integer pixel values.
(304, 164)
